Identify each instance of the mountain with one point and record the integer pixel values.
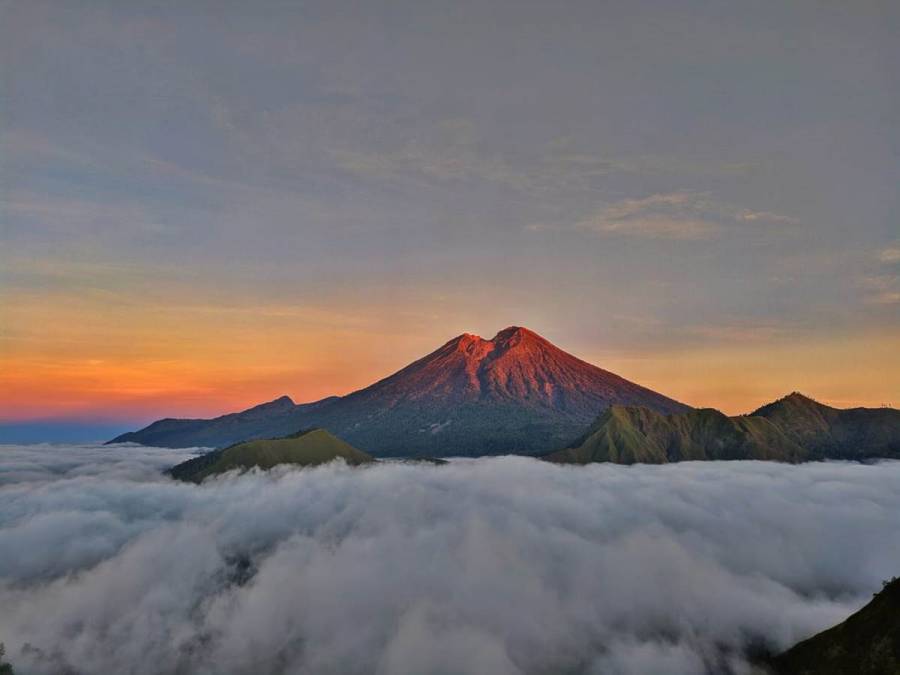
(262, 421)
(629, 435)
(792, 429)
(305, 448)
(856, 433)
(867, 643)
(514, 393)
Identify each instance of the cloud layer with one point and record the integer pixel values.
(502, 565)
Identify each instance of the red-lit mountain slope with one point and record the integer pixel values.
(515, 393)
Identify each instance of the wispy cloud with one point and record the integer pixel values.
(62, 211)
(440, 162)
(891, 254)
(455, 152)
(673, 215)
(742, 331)
(881, 289)
(657, 227)
(766, 216)
(445, 165)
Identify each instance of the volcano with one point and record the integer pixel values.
(515, 393)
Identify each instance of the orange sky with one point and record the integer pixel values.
(205, 207)
(101, 357)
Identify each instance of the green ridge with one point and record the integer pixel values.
(832, 433)
(792, 429)
(630, 435)
(305, 448)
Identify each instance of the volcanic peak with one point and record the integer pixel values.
(516, 392)
(505, 339)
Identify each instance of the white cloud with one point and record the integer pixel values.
(504, 565)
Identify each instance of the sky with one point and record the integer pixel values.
(205, 205)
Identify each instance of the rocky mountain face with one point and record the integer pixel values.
(514, 393)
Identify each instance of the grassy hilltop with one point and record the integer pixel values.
(305, 448)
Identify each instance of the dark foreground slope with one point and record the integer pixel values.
(792, 429)
(627, 435)
(306, 448)
(868, 643)
(515, 393)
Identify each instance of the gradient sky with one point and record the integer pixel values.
(208, 204)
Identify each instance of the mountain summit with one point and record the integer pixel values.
(516, 366)
(514, 393)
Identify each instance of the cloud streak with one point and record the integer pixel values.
(881, 289)
(891, 254)
(675, 215)
(660, 227)
(503, 565)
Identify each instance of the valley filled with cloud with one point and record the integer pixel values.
(499, 565)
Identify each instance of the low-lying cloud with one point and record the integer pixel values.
(505, 565)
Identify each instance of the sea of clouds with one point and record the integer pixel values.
(504, 565)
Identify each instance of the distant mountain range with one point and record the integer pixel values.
(516, 393)
(792, 429)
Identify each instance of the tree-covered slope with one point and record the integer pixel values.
(629, 435)
(5, 668)
(306, 448)
(867, 643)
(832, 433)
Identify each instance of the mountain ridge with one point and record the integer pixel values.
(835, 433)
(794, 428)
(191, 431)
(629, 435)
(515, 393)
